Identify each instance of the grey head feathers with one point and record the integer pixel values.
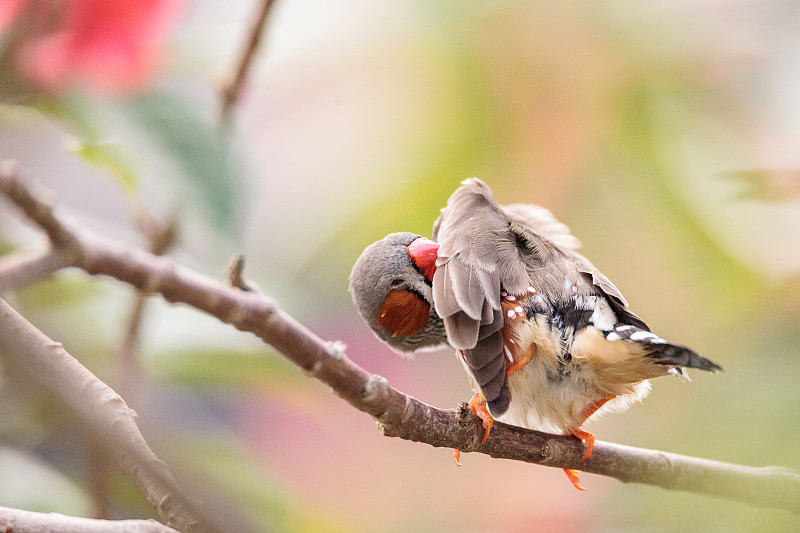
(386, 267)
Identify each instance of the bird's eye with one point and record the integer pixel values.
(396, 282)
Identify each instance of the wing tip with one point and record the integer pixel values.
(499, 405)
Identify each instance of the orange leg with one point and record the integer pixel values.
(592, 408)
(518, 358)
(513, 367)
(478, 406)
(516, 365)
(587, 438)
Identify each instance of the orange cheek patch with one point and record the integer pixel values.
(403, 313)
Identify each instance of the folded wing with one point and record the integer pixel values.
(479, 253)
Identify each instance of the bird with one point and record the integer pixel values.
(546, 340)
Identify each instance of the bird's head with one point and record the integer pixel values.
(391, 288)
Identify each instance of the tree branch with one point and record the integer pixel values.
(23, 268)
(103, 410)
(161, 236)
(230, 94)
(17, 521)
(397, 414)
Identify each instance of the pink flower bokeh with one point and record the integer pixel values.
(8, 10)
(107, 45)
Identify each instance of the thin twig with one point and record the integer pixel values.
(230, 94)
(235, 274)
(161, 236)
(129, 371)
(400, 415)
(23, 268)
(17, 521)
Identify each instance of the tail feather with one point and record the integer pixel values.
(681, 356)
(663, 352)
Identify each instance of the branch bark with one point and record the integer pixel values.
(17, 521)
(105, 412)
(24, 268)
(230, 94)
(397, 414)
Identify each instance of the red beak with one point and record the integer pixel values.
(424, 252)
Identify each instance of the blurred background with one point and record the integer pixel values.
(665, 134)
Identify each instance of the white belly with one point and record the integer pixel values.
(557, 405)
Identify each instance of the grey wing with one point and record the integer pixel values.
(546, 226)
(543, 223)
(477, 255)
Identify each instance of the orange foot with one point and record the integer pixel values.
(587, 439)
(572, 475)
(457, 457)
(478, 406)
